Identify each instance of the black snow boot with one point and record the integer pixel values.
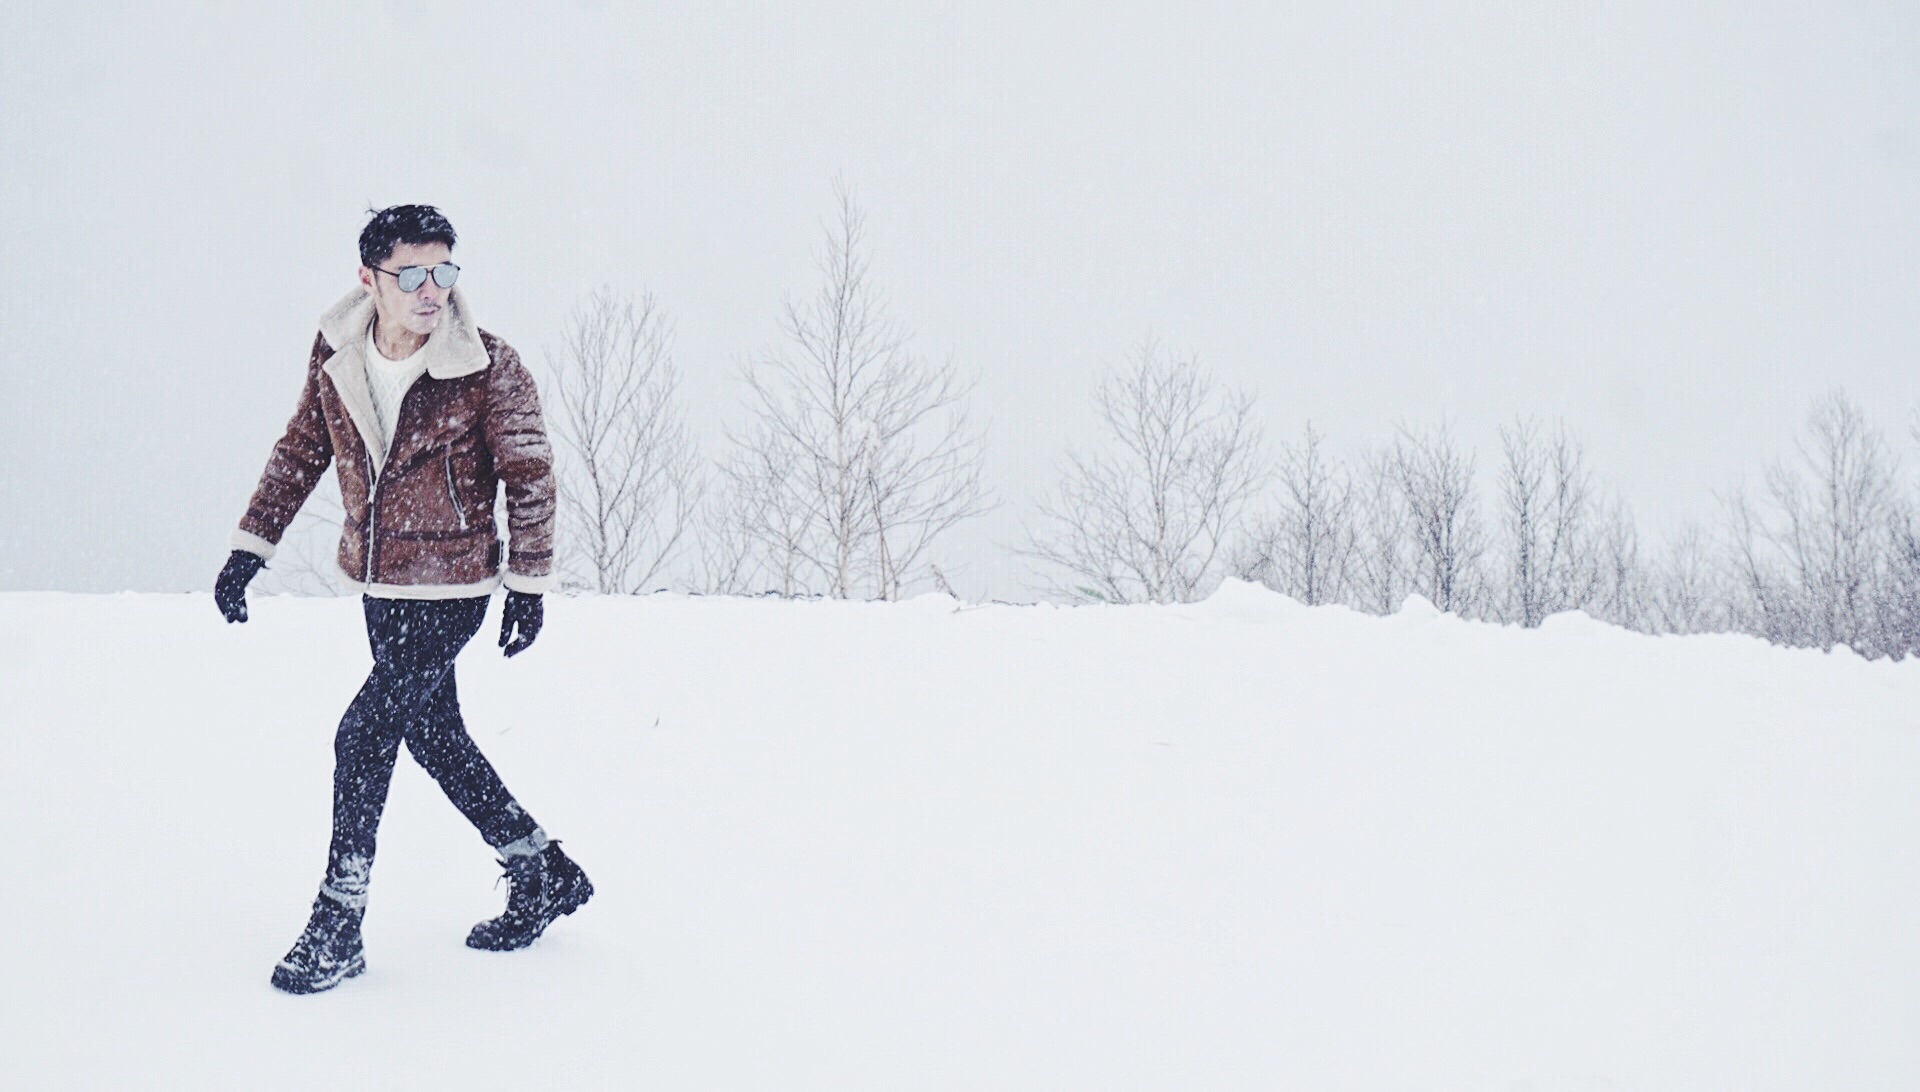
(545, 886)
(327, 953)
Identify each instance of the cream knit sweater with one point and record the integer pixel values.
(387, 382)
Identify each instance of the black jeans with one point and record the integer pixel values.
(410, 696)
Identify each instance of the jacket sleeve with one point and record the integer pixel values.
(298, 460)
(523, 459)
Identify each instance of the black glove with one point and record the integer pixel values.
(230, 590)
(525, 611)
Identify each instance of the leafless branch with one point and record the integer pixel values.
(1147, 517)
(630, 480)
(861, 454)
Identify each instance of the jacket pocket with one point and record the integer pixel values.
(453, 493)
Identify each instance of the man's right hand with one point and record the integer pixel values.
(230, 590)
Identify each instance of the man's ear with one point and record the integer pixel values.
(366, 278)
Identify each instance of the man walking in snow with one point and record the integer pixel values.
(424, 416)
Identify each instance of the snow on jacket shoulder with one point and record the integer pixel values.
(418, 519)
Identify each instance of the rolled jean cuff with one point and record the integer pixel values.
(530, 846)
(352, 900)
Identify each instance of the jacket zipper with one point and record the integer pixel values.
(373, 514)
(459, 510)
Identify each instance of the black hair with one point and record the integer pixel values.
(396, 224)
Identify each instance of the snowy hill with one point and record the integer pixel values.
(1238, 845)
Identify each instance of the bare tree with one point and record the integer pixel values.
(1146, 518)
(1900, 604)
(1382, 561)
(1550, 554)
(1623, 588)
(860, 454)
(1306, 548)
(1814, 564)
(756, 536)
(629, 477)
(1837, 515)
(1758, 602)
(1436, 483)
(1688, 590)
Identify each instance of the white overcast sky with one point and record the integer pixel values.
(1671, 226)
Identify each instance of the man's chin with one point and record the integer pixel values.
(423, 324)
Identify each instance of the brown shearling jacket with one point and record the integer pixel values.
(419, 519)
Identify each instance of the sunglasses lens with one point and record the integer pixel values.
(411, 278)
(445, 274)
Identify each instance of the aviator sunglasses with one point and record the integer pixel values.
(411, 277)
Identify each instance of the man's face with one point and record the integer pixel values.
(417, 311)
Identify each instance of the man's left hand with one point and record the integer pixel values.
(230, 590)
(525, 613)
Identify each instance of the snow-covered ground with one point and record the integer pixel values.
(1237, 845)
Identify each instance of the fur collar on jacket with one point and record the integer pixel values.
(453, 350)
